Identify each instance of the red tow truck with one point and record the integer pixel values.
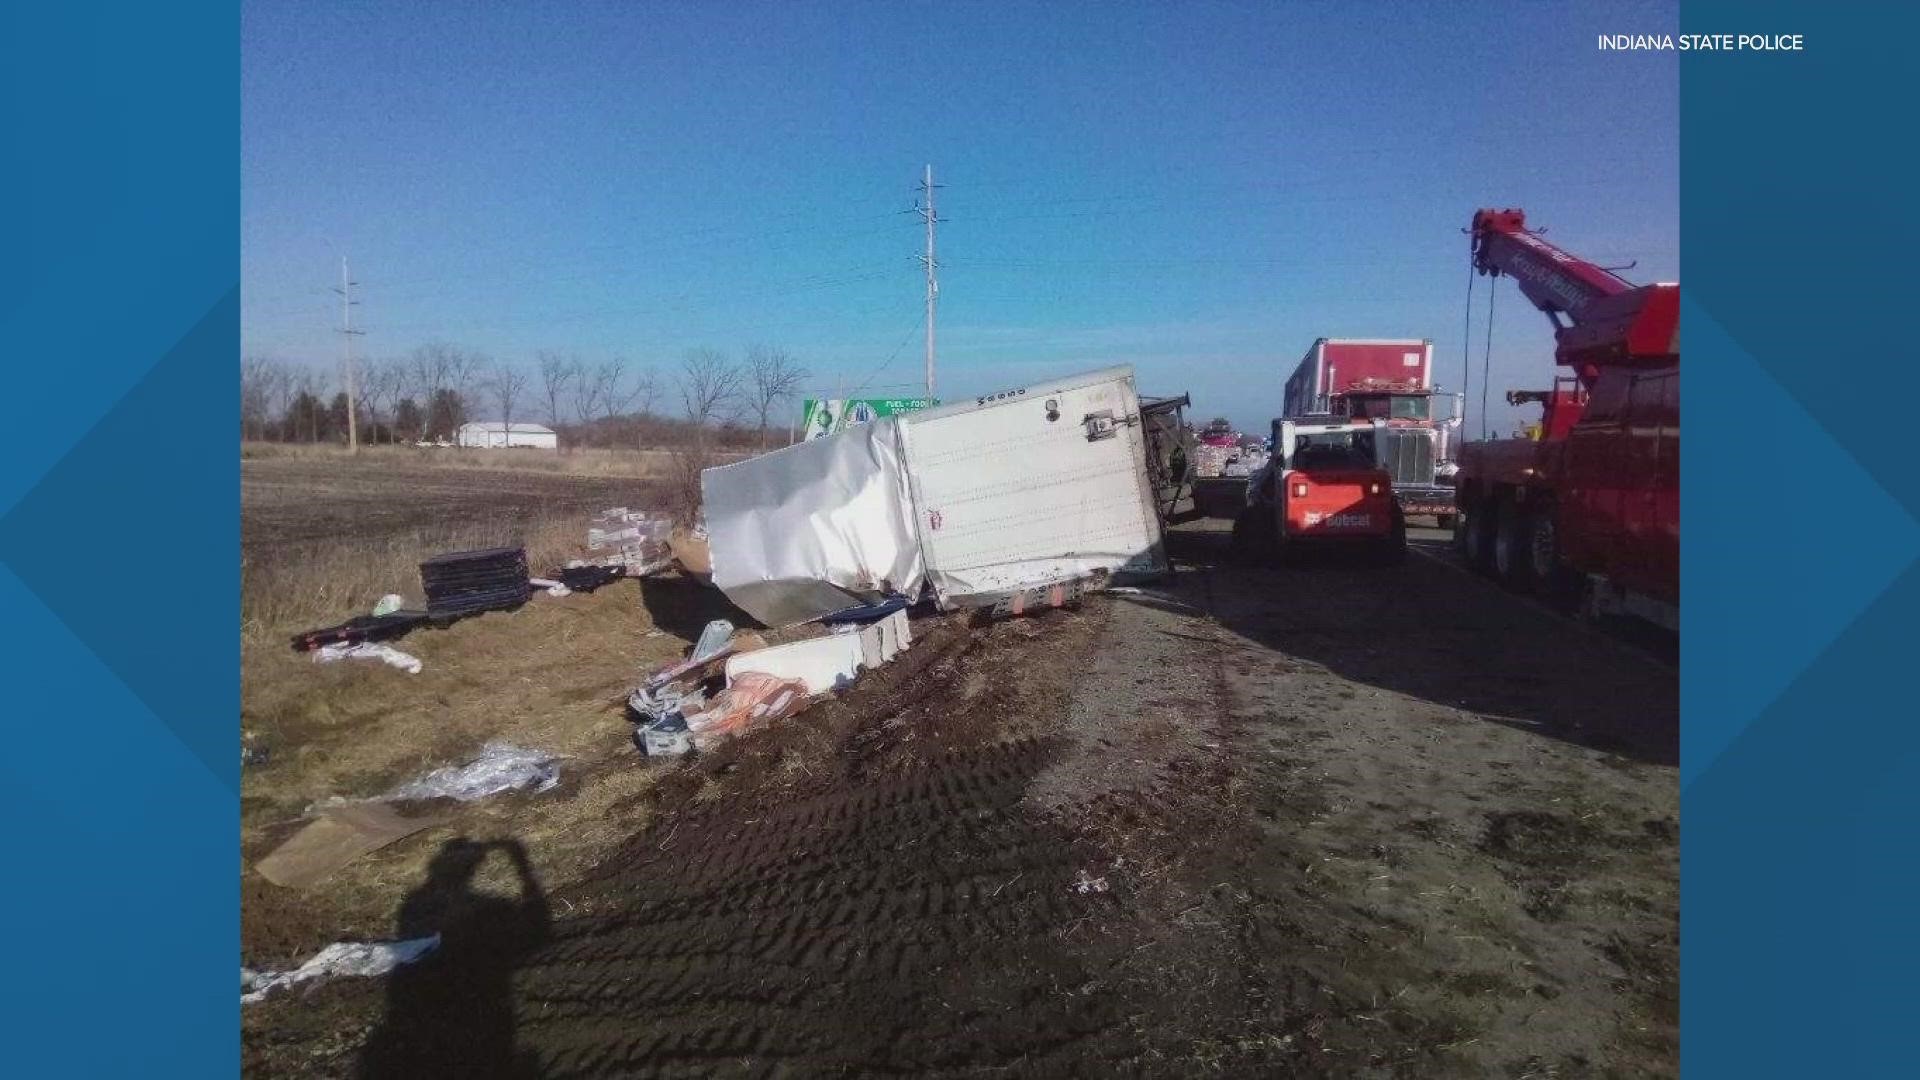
(1590, 506)
(1322, 489)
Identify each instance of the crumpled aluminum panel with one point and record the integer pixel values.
(815, 528)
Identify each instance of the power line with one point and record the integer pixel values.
(891, 357)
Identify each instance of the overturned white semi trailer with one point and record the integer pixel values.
(1023, 496)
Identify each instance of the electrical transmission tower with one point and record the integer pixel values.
(927, 214)
(347, 334)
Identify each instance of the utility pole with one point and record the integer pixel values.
(933, 278)
(347, 333)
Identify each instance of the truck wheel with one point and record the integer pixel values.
(1474, 537)
(1393, 546)
(1553, 580)
(1512, 553)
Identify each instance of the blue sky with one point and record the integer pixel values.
(1198, 190)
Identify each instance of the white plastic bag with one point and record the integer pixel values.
(352, 958)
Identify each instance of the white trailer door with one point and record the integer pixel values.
(1031, 487)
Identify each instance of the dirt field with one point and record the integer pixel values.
(1315, 821)
(302, 500)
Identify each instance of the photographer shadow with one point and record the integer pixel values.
(452, 1014)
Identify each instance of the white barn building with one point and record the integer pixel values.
(495, 434)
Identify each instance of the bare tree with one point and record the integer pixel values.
(259, 379)
(380, 384)
(616, 397)
(507, 383)
(556, 372)
(304, 405)
(465, 369)
(430, 368)
(586, 394)
(772, 377)
(709, 388)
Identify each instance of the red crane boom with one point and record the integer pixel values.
(1599, 319)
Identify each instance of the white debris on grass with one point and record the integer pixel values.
(368, 650)
(554, 588)
(500, 767)
(1085, 884)
(342, 958)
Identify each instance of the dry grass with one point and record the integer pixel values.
(552, 676)
(650, 464)
(288, 588)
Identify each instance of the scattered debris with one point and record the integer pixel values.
(388, 604)
(1085, 884)
(820, 664)
(717, 642)
(465, 583)
(676, 714)
(691, 550)
(253, 752)
(553, 588)
(588, 578)
(859, 616)
(634, 540)
(342, 958)
(715, 637)
(666, 736)
(748, 702)
(500, 767)
(336, 836)
(831, 662)
(361, 628)
(386, 654)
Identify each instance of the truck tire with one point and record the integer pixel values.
(1393, 546)
(1474, 536)
(1553, 580)
(1512, 551)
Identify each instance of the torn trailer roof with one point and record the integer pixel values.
(980, 500)
(814, 528)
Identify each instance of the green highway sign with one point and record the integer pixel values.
(824, 416)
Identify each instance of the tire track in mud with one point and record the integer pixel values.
(907, 923)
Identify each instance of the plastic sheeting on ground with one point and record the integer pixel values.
(500, 767)
(815, 528)
(342, 958)
(387, 654)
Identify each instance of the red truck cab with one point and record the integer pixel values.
(1323, 488)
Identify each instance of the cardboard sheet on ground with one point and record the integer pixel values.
(815, 528)
(336, 837)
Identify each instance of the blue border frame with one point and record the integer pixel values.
(1800, 758)
(118, 544)
(119, 538)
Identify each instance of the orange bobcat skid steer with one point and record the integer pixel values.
(1322, 489)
